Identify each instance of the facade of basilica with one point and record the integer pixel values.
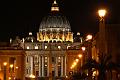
(50, 56)
(47, 56)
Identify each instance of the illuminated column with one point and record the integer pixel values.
(31, 58)
(42, 66)
(48, 66)
(65, 65)
(56, 67)
(62, 66)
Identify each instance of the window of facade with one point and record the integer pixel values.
(59, 47)
(45, 57)
(59, 69)
(36, 47)
(45, 70)
(53, 73)
(36, 59)
(27, 71)
(45, 47)
(68, 47)
(46, 60)
(59, 59)
(27, 59)
(53, 59)
(12, 60)
(28, 47)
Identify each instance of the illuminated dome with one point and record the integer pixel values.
(55, 22)
(55, 27)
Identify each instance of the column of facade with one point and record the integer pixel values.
(65, 65)
(62, 66)
(31, 62)
(48, 66)
(42, 66)
(39, 66)
(56, 67)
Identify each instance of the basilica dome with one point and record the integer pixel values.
(55, 22)
(55, 27)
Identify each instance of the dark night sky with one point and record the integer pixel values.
(20, 17)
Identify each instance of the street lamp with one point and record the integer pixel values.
(80, 55)
(89, 37)
(76, 60)
(11, 70)
(102, 37)
(83, 48)
(102, 13)
(5, 64)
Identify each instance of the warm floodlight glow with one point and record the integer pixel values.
(16, 67)
(9, 78)
(83, 48)
(11, 66)
(77, 60)
(30, 33)
(5, 63)
(59, 47)
(36, 47)
(28, 47)
(71, 67)
(45, 47)
(32, 76)
(89, 37)
(102, 12)
(74, 63)
(80, 55)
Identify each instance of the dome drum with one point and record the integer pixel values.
(55, 23)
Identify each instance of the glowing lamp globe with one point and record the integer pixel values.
(102, 12)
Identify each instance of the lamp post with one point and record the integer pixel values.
(5, 64)
(11, 71)
(89, 44)
(89, 53)
(84, 54)
(102, 39)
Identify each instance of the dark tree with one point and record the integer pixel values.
(104, 64)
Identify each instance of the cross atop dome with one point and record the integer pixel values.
(54, 6)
